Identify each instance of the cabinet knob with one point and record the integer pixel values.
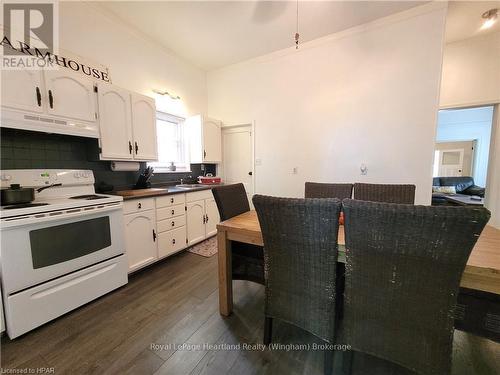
(173, 241)
(139, 205)
(173, 212)
(171, 200)
(173, 223)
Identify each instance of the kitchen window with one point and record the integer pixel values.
(171, 144)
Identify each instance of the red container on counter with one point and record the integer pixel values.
(209, 180)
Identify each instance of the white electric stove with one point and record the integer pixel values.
(60, 251)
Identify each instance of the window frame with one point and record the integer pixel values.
(184, 167)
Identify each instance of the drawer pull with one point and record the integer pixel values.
(171, 200)
(173, 223)
(173, 212)
(173, 241)
(139, 205)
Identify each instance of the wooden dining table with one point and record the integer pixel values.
(482, 271)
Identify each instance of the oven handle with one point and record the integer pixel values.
(68, 214)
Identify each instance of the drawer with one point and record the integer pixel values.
(198, 195)
(138, 205)
(169, 224)
(170, 200)
(172, 241)
(168, 212)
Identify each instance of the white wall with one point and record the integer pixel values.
(135, 63)
(367, 95)
(465, 125)
(471, 72)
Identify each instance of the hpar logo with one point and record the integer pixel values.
(30, 33)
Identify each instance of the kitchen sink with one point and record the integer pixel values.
(187, 186)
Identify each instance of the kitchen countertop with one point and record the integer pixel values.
(158, 191)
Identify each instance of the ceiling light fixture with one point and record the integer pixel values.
(490, 17)
(297, 28)
(166, 93)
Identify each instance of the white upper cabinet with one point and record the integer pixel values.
(70, 95)
(115, 123)
(23, 90)
(144, 127)
(204, 139)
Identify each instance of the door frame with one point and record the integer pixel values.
(252, 127)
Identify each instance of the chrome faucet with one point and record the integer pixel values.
(182, 181)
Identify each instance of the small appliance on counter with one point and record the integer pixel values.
(143, 180)
(209, 179)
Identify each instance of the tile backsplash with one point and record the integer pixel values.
(22, 149)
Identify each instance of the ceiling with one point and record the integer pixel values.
(213, 34)
(464, 19)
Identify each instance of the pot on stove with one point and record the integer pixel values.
(16, 194)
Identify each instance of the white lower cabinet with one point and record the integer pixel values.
(212, 217)
(159, 227)
(195, 217)
(171, 241)
(140, 238)
(202, 216)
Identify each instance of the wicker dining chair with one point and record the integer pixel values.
(247, 260)
(300, 260)
(388, 193)
(403, 269)
(325, 190)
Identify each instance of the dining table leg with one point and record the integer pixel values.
(225, 276)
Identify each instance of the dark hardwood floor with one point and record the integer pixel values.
(166, 321)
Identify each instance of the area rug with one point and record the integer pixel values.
(205, 248)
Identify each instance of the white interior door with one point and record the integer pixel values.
(22, 89)
(237, 154)
(144, 127)
(451, 163)
(70, 95)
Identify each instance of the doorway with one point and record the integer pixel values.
(238, 156)
(454, 159)
(463, 143)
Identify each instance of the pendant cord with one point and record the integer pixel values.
(297, 27)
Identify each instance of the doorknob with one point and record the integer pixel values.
(250, 173)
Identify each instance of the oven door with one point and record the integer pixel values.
(38, 249)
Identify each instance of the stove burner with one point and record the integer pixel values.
(88, 197)
(24, 205)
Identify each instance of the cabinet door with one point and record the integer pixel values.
(195, 221)
(144, 127)
(140, 239)
(70, 95)
(171, 242)
(23, 90)
(211, 141)
(212, 217)
(115, 123)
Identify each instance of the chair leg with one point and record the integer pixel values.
(347, 359)
(268, 330)
(328, 365)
